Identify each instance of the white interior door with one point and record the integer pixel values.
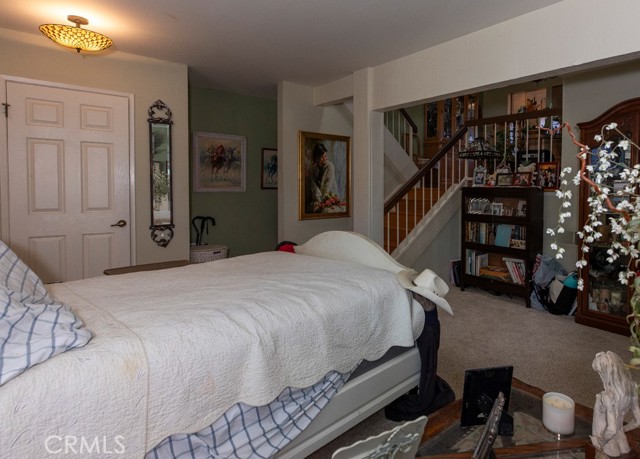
(69, 180)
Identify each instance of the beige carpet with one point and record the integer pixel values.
(547, 351)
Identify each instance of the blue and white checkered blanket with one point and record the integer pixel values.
(255, 432)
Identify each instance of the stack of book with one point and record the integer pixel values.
(495, 272)
(516, 269)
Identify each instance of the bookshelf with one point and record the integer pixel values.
(501, 236)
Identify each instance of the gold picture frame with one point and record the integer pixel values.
(324, 176)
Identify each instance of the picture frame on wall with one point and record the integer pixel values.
(324, 175)
(548, 175)
(219, 162)
(269, 174)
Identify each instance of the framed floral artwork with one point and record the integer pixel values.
(324, 175)
(269, 174)
(219, 162)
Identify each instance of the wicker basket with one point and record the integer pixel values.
(203, 253)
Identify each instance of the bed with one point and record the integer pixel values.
(172, 352)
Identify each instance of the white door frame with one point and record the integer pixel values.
(4, 153)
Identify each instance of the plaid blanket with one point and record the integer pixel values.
(254, 432)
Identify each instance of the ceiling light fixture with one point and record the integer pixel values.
(75, 36)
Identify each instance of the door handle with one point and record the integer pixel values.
(121, 223)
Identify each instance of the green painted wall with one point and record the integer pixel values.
(245, 222)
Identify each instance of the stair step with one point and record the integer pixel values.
(426, 192)
(411, 210)
(402, 224)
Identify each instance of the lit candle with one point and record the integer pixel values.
(558, 413)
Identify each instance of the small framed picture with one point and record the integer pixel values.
(522, 209)
(548, 175)
(522, 178)
(504, 179)
(618, 193)
(269, 176)
(479, 176)
(518, 244)
(496, 208)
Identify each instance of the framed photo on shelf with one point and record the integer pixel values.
(269, 175)
(518, 244)
(479, 176)
(496, 208)
(324, 176)
(522, 178)
(219, 162)
(521, 211)
(504, 179)
(548, 175)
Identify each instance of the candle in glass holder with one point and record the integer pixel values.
(558, 413)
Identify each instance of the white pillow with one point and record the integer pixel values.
(17, 276)
(33, 333)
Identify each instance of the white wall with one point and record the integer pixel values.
(23, 55)
(567, 37)
(297, 112)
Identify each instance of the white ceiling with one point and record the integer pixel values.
(247, 46)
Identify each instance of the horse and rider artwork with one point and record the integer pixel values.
(269, 168)
(219, 162)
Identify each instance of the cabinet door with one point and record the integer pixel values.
(604, 301)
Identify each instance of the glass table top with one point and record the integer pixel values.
(530, 439)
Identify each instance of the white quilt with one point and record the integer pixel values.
(174, 349)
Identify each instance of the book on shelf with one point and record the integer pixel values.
(455, 272)
(474, 261)
(482, 260)
(480, 232)
(503, 235)
(516, 268)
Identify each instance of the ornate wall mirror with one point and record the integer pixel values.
(161, 193)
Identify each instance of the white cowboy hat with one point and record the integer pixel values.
(427, 284)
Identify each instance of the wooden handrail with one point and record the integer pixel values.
(408, 119)
(515, 117)
(399, 194)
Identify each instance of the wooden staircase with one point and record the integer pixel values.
(412, 208)
(409, 211)
(412, 203)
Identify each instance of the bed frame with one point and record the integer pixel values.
(357, 400)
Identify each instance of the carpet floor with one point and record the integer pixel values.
(547, 351)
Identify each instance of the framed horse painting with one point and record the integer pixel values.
(219, 162)
(269, 176)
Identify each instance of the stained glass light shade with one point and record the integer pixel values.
(480, 149)
(76, 37)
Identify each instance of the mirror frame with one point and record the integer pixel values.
(160, 116)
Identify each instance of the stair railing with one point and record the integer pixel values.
(410, 203)
(405, 131)
(521, 139)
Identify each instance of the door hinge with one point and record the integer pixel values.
(6, 109)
